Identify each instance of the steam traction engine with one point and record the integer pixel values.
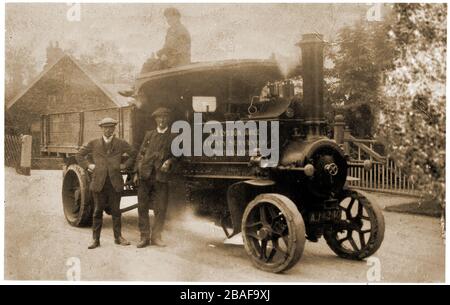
(304, 196)
(275, 208)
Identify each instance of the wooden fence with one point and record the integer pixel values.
(385, 175)
(13, 146)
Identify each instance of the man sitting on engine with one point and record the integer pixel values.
(177, 47)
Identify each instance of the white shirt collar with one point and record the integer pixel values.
(162, 130)
(107, 140)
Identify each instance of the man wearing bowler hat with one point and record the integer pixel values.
(102, 157)
(153, 164)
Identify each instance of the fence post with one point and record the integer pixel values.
(339, 126)
(25, 156)
(347, 134)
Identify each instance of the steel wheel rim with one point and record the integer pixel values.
(267, 232)
(359, 224)
(72, 195)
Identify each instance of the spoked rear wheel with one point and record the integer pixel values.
(274, 232)
(361, 229)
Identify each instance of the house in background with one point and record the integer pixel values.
(63, 86)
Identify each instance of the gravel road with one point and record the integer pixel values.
(40, 244)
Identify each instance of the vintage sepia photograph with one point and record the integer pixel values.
(225, 143)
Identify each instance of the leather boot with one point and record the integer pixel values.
(143, 243)
(122, 241)
(158, 242)
(95, 244)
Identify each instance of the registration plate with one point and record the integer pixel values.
(324, 216)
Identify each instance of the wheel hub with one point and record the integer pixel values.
(265, 233)
(355, 224)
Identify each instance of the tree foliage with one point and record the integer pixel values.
(105, 61)
(412, 120)
(361, 55)
(20, 69)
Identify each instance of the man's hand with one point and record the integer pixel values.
(166, 166)
(136, 179)
(91, 167)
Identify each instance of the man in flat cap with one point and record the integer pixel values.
(177, 47)
(102, 157)
(153, 163)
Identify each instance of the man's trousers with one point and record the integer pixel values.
(107, 197)
(155, 193)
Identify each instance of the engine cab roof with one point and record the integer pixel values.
(230, 81)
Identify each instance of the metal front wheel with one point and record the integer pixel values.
(360, 231)
(274, 232)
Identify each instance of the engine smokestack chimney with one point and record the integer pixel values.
(312, 72)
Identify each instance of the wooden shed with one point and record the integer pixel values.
(63, 86)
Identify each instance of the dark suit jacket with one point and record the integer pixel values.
(154, 151)
(106, 164)
(177, 46)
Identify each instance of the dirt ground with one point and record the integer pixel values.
(41, 245)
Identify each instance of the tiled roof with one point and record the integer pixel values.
(111, 90)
